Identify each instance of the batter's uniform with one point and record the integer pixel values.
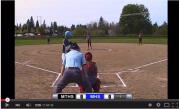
(66, 45)
(73, 62)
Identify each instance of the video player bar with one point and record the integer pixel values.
(93, 96)
(92, 103)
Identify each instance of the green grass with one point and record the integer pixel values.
(55, 40)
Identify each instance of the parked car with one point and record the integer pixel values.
(29, 34)
(18, 35)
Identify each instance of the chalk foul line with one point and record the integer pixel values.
(37, 68)
(142, 66)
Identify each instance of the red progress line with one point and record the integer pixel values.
(3, 100)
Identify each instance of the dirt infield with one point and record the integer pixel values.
(123, 68)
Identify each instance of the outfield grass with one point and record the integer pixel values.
(55, 40)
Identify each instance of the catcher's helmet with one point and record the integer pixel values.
(88, 56)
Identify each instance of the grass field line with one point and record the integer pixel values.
(96, 39)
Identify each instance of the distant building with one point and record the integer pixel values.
(47, 30)
(111, 32)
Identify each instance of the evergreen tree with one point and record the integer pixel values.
(37, 24)
(163, 29)
(28, 26)
(31, 24)
(101, 24)
(44, 25)
(72, 27)
(55, 26)
(154, 27)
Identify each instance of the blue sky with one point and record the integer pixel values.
(68, 12)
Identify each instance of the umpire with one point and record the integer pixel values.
(72, 70)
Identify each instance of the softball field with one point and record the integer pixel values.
(122, 68)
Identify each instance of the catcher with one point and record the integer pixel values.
(91, 69)
(72, 70)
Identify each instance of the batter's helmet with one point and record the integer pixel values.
(68, 34)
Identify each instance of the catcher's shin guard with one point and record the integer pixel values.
(82, 90)
(96, 86)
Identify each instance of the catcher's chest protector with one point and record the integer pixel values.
(90, 68)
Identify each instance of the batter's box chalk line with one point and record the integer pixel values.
(117, 74)
(59, 74)
(104, 86)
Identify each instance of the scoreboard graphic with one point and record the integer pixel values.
(93, 96)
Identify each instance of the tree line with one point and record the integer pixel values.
(135, 18)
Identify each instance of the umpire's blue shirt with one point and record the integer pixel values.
(73, 59)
